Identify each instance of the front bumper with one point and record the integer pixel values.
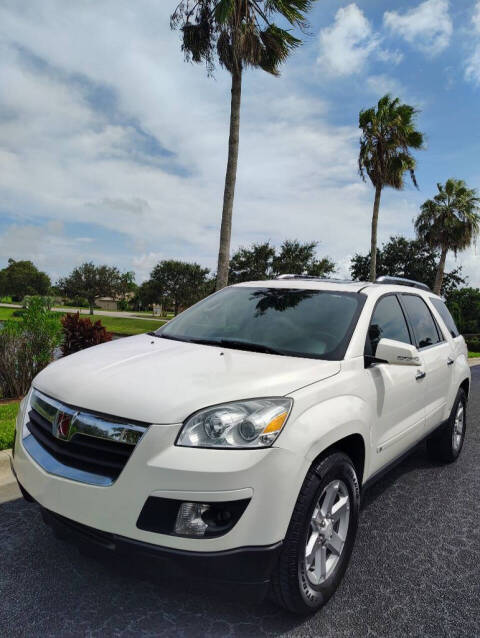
(242, 566)
(270, 478)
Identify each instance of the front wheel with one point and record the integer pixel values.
(320, 536)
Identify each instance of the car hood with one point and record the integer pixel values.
(157, 380)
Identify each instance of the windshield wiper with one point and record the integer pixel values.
(238, 345)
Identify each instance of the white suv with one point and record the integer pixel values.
(235, 441)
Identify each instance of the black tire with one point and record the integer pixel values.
(291, 587)
(441, 445)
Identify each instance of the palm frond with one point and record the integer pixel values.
(224, 11)
(451, 219)
(388, 135)
(240, 32)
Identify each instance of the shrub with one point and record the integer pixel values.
(80, 333)
(27, 346)
(46, 302)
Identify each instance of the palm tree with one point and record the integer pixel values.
(240, 34)
(388, 134)
(449, 221)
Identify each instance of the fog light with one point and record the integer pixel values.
(189, 519)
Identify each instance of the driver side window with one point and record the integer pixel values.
(388, 322)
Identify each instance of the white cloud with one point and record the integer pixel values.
(144, 264)
(427, 27)
(346, 45)
(83, 112)
(472, 67)
(350, 41)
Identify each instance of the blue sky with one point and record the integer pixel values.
(113, 149)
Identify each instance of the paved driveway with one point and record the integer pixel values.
(415, 571)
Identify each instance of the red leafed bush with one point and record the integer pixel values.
(80, 333)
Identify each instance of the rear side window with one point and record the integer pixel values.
(387, 322)
(444, 313)
(422, 321)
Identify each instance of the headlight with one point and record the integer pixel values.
(241, 424)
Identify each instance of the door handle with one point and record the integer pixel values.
(420, 375)
(450, 361)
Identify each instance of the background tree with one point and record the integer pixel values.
(388, 135)
(21, 278)
(90, 281)
(296, 258)
(409, 258)
(146, 295)
(239, 34)
(252, 264)
(263, 261)
(178, 283)
(449, 221)
(464, 304)
(125, 286)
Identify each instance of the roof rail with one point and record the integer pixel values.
(313, 278)
(401, 281)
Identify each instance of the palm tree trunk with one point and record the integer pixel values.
(437, 288)
(373, 244)
(230, 179)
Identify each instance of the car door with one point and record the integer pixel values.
(436, 353)
(398, 389)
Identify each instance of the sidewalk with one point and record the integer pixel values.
(6, 475)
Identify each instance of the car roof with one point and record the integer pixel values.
(367, 288)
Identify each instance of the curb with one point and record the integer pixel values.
(474, 362)
(6, 475)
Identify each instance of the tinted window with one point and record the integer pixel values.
(295, 322)
(387, 322)
(444, 313)
(422, 321)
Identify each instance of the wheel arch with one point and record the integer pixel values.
(465, 386)
(354, 447)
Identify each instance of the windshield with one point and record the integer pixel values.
(293, 322)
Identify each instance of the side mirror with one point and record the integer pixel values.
(397, 353)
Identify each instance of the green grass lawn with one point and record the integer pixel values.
(473, 355)
(118, 325)
(126, 326)
(6, 313)
(8, 414)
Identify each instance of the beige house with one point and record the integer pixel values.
(106, 303)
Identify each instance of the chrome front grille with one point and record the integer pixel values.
(77, 444)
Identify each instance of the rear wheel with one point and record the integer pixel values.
(446, 444)
(320, 536)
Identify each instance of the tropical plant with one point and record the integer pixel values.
(239, 34)
(449, 221)
(388, 135)
(90, 281)
(409, 258)
(80, 333)
(27, 346)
